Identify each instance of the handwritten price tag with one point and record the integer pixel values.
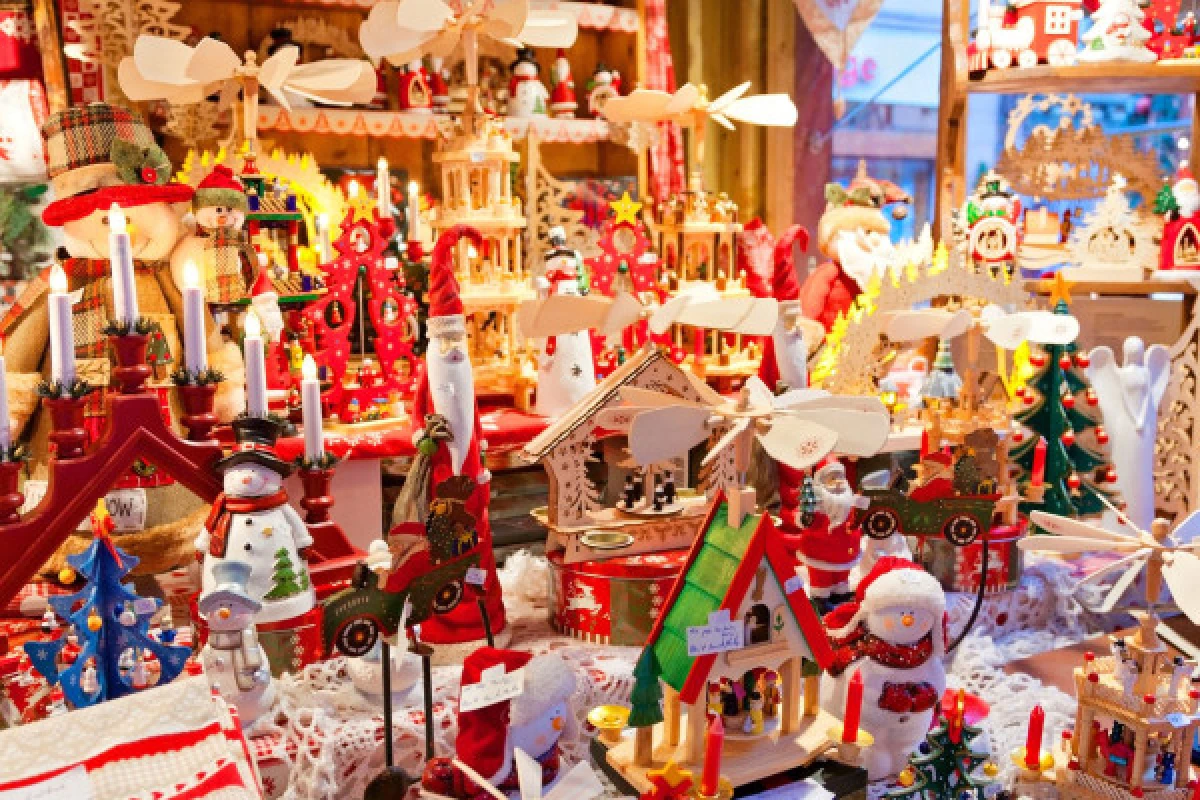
(495, 685)
(719, 636)
(73, 784)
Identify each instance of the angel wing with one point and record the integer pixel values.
(1105, 378)
(1158, 364)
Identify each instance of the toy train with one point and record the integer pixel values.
(1025, 33)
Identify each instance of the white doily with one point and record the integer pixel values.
(335, 736)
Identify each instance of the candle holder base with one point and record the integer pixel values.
(198, 416)
(318, 495)
(1028, 773)
(11, 499)
(67, 431)
(849, 752)
(131, 371)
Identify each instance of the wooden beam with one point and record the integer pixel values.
(812, 143)
(671, 713)
(780, 76)
(54, 62)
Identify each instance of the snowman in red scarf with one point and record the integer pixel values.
(895, 636)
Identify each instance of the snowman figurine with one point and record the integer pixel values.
(252, 522)
(534, 721)
(234, 662)
(219, 247)
(527, 95)
(566, 373)
(894, 635)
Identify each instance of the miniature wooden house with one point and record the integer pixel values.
(1135, 724)
(581, 454)
(696, 234)
(748, 572)
(476, 167)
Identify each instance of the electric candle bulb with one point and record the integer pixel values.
(308, 369)
(117, 222)
(191, 275)
(58, 279)
(352, 190)
(253, 325)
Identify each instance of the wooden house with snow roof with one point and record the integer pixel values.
(585, 453)
(748, 572)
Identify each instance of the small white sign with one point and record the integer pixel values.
(793, 584)
(1178, 720)
(495, 686)
(144, 605)
(476, 576)
(720, 635)
(477, 157)
(73, 784)
(34, 490)
(127, 508)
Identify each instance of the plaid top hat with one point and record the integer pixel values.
(256, 444)
(101, 154)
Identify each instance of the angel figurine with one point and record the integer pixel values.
(1129, 398)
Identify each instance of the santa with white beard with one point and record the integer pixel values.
(566, 372)
(1181, 231)
(830, 544)
(894, 634)
(855, 236)
(448, 487)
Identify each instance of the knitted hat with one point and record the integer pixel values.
(99, 154)
(893, 581)
(445, 305)
(221, 188)
(230, 579)
(858, 206)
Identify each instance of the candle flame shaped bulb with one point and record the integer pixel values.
(58, 280)
(117, 223)
(381, 163)
(253, 325)
(413, 187)
(308, 369)
(352, 190)
(191, 275)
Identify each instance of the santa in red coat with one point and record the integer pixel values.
(854, 235)
(449, 487)
(830, 545)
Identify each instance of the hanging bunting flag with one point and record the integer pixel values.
(836, 25)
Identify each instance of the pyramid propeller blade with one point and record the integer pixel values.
(211, 61)
(562, 313)
(797, 443)
(684, 99)
(1181, 570)
(1122, 584)
(640, 105)
(858, 433)
(550, 29)
(716, 106)
(737, 429)
(765, 109)
(665, 433)
(723, 121)
(649, 398)
(1064, 526)
(1073, 544)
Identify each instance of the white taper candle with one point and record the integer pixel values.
(256, 367)
(383, 188)
(62, 335)
(413, 212)
(125, 301)
(310, 401)
(194, 347)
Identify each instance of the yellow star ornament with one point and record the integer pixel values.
(1061, 290)
(363, 206)
(626, 209)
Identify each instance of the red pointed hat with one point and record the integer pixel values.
(445, 303)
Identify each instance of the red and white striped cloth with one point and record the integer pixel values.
(666, 168)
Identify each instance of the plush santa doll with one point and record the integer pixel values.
(831, 544)
(895, 636)
(562, 89)
(533, 721)
(448, 487)
(566, 372)
(853, 234)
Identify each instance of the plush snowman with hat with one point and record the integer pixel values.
(566, 372)
(894, 634)
(234, 662)
(252, 522)
(448, 488)
(219, 248)
(533, 721)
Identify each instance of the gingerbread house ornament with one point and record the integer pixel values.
(1115, 242)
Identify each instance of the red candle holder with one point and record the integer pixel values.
(318, 496)
(198, 416)
(11, 499)
(67, 431)
(132, 370)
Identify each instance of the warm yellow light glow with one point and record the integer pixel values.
(308, 369)
(382, 164)
(117, 223)
(413, 187)
(58, 280)
(253, 325)
(352, 190)
(191, 275)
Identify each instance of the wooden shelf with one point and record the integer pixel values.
(1115, 288)
(1114, 78)
(409, 125)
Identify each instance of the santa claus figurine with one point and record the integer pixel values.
(894, 635)
(566, 372)
(533, 721)
(854, 235)
(562, 88)
(1180, 205)
(415, 94)
(448, 488)
(830, 542)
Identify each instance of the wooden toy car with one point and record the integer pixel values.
(356, 616)
(960, 519)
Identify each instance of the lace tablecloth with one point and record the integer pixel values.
(333, 736)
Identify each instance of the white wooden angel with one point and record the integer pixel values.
(1129, 397)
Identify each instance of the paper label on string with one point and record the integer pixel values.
(495, 686)
(145, 605)
(793, 584)
(476, 576)
(34, 490)
(74, 784)
(720, 635)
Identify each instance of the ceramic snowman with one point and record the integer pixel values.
(527, 95)
(566, 373)
(234, 662)
(894, 635)
(252, 522)
(537, 718)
